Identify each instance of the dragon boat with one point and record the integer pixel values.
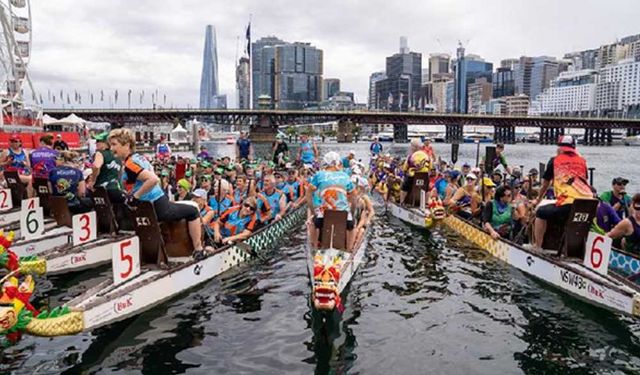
(148, 269)
(331, 265)
(583, 269)
(417, 209)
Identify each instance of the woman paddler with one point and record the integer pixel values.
(106, 170)
(498, 215)
(144, 186)
(629, 228)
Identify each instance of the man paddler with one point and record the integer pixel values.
(417, 161)
(331, 189)
(567, 171)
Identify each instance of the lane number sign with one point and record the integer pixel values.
(5, 200)
(84, 228)
(29, 204)
(31, 223)
(125, 259)
(597, 252)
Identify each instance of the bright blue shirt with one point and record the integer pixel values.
(330, 190)
(219, 207)
(376, 148)
(133, 166)
(244, 145)
(307, 154)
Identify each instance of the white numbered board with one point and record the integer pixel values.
(6, 203)
(125, 259)
(31, 223)
(28, 204)
(597, 251)
(84, 228)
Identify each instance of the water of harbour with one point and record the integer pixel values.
(420, 303)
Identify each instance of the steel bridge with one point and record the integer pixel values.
(265, 122)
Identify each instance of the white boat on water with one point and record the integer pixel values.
(633, 140)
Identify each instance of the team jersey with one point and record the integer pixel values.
(306, 153)
(244, 146)
(296, 188)
(18, 160)
(163, 149)
(64, 183)
(331, 191)
(109, 171)
(231, 223)
(133, 166)
(274, 201)
(43, 161)
(220, 206)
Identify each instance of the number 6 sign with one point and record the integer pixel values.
(597, 252)
(84, 228)
(125, 259)
(31, 223)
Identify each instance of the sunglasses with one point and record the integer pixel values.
(249, 207)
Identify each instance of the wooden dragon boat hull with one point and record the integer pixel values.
(107, 303)
(611, 291)
(325, 265)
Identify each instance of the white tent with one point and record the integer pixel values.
(179, 130)
(71, 119)
(46, 120)
(179, 134)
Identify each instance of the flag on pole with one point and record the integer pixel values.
(400, 101)
(115, 97)
(61, 97)
(68, 100)
(101, 95)
(91, 98)
(48, 95)
(248, 36)
(165, 100)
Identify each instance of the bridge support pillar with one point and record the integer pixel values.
(454, 133)
(549, 136)
(345, 131)
(504, 134)
(632, 131)
(608, 136)
(400, 133)
(264, 131)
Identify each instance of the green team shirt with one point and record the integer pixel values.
(109, 176)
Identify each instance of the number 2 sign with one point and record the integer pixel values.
(597, 252)
(84, 228)
(125, 259)
(5, 200)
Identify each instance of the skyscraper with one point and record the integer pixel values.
(438, 66)
(242, 83)
(401, 87)
(468, 69)
(374, 101)
(297, 76)
(263, 67)
(330, 87)
(209, 91)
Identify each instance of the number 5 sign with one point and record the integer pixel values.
(125, 260)
(84, 228)
(597, 252)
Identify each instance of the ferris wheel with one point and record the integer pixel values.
(15, 53)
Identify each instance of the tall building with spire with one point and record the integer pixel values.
(209, 90)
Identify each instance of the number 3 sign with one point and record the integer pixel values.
(125, 260)
(597, 252)
(84, 228)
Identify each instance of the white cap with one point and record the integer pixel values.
(199, 193)
(352, 152)
(472, 176)
(331, 159)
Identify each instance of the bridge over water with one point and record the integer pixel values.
(264, 123)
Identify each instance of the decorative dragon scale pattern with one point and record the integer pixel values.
(481, 239)
(269, 236)
(624, 263)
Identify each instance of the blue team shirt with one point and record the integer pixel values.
(133, 166)
(330, 190)
(244, 145)
(64, 183)
(307, 154)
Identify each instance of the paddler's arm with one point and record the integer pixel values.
(216, 231)
(543, 190)
(149, 180)
(624, 228)
(238, 237)
(315, 150)
(283, 207)
(95, 169)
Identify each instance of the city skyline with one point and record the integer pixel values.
(152, 47)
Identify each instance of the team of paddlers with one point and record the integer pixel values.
(223, 199)
(506, 201)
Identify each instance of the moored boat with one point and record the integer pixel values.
(145, 286)
(610, 290)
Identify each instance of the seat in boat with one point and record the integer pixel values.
(104, 211)
(41, 187)
(568, 238)
(334, 230)
(18, 190)
(60, 210)
(420, 183)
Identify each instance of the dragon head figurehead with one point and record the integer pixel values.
(327, 265)
(15, 310)
(437, 209)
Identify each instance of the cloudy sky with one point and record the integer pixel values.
(150, 45)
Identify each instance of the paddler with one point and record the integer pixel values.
(276, 199)
(308, 151)
(16, 159)
(331, 189)
(417, 161)
(244, 148)
(375, 147)
(364, 208)
(144, 186)
(567, 171)
(617, 197)
(465, 201)
(629, 228)
(499, 159)
(43, 158)
(68, 181)
(237, 223)
(163, 151)
(498, 215)
(106, 169)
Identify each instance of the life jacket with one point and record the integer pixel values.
(232, 223)
(570, 178)
(501, 222)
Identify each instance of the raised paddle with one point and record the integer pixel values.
(454, 152)
(591, 170)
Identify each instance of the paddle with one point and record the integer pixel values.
(477, 153)
(454, 152)
(591, 170)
